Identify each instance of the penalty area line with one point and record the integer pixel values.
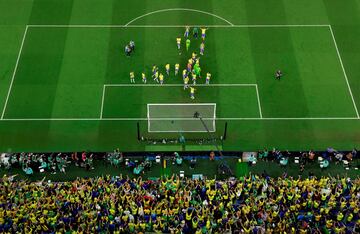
(146, 119)
(178, 85)
(258, 99)
(174, 26)
(102, 102)
(344, 72)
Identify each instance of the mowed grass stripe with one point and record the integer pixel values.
(27, 137)
(233, 61)
(272, 49)
(345, 26)
(325, 89)
(51, 11)
(9, 52)
(82, 75)
(292, 135)
(36, 80)
(13, 22)
(223, 99)
(120, 74)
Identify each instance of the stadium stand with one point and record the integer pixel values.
(252, 204)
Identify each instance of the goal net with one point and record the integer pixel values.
(177, 117)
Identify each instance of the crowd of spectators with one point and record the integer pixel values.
(57, 162)
(324, 158)
(52, 163)
(309, 156)
(252, 204)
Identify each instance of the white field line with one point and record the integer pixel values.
(258, 98)
(175, 118)
(182, 119)
(148, 116)
(53, 119)
(13, 76)
(180, 131)
(299, 118)
(214, 126)
(173, 26)
(146, 119)
(177, 85)
(102, 102)
(179, 9)
(342, 66)
(75, 26)
(279, 25)
(182, 104)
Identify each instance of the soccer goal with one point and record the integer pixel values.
(186, 117)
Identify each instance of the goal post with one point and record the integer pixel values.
(181, 117)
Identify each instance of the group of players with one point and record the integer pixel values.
(192, 70)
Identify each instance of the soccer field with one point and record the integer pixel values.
(65, 79)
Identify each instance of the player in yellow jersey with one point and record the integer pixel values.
(178, 42)
(202, 48)
(208, 77)
(190, 61)
(186, 82)
(187, 30)
(189, 67)
(185, 74)
(156, 76)
(193, 78)
(132, 77)
(167, 68)
(154, 69)
(155, 73)
(194, 58)
(192, 92)
(203, 33)
(161, 78)
(177, 67)
(143, 76)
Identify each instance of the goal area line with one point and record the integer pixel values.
(181, 117)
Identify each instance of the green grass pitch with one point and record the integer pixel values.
(64, 78)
